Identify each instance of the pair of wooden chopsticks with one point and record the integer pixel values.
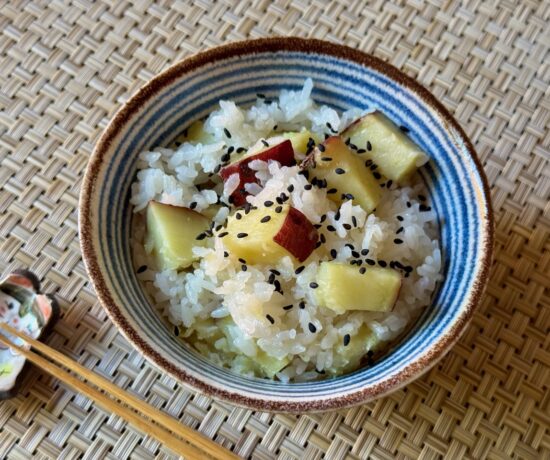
(173, 434)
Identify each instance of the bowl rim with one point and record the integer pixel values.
(411, 370)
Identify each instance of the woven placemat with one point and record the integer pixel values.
(66, 66)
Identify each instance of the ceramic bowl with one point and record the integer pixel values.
(343, 78)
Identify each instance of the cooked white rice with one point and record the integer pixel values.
(215, 287)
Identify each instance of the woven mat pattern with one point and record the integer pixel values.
(67, 65)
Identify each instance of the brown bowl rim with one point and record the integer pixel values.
(247, 47)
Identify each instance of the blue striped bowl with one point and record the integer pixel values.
(343, 78)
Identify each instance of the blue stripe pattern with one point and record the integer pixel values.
(342, 84)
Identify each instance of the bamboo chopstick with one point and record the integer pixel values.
(165, 423)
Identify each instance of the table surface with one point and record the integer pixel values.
(65, 68)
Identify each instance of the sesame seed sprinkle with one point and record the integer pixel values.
(299, 270)
(354, 221)
(313, 285)
(369, 146)
(288, 307)
(321, 147)
(326, 159)
(331, 228)
(244, 267)
(290, 188)
(331, 191)
(302, 305)
(192, 205)
(270, 319)
(268, 203)
(275, 272)
(346, 226)
(201, 236)
(339, 171)
(225, 254)
(308, 187)
(312, 328)
(222, 234)
(382, 263)
(227, 133)
(333, 253)
(347, 339)
(370, 262)
(399, 230)
(265, 143)
(242, 235)
(141, 269)
(424, 208)
(399, 218)
(398, 241)
(265, 219)
(362, 270)
(377, 175)
(278, 209)
(364, 252)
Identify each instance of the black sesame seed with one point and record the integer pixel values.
(354, 221)
(323, 239)
(290, 188)
(368, 163)
(244, 267)
(222, 234)
(369, 146)
(277, 285)
(242, 235)
(314, 181)
(399, 218)
(279, 200)
(347, 339)
(260, 95)
(225, 254)
(399, 230)
(322, 183)
(353, 146)
(399, 264)
(337, 215)
(241, 150)
(424, 208)
(275, 127)
(323, 218)
(360, 151)
(192, 205)
(241, 260)
(373, 167)
(404, 129)
(409, 204)
(201, 236)
(313, 285)
(238, 216)
(288, 307)
(312, 328)
(331, 191)
(304, 173)
(247, 208)
(333, 253)
(370, 262)
(275, 272)
(176, 330)
(339, 171)
(355, 254)
(265, 219)
(271, 278)
(299, 270)
(408, 269)
(321, 147)
(217, 169)
(382, 263)
(326, 159)
(353, 262)
(225, 157)
(317, 226)
(302, 305)
(398, 241)
(308, 187)
(348, 140)
(266, 144)
(347, 226)
(377, 175)
(347, 196)
(389, 183)
(317, 245)
(227, 133)
(141, 269)
(278, 209)
(362, 270)
(349, 245)
(330, 228)
(421, 197)
(218, 228)
(364, 252)
(268, 203)
(270, 319)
